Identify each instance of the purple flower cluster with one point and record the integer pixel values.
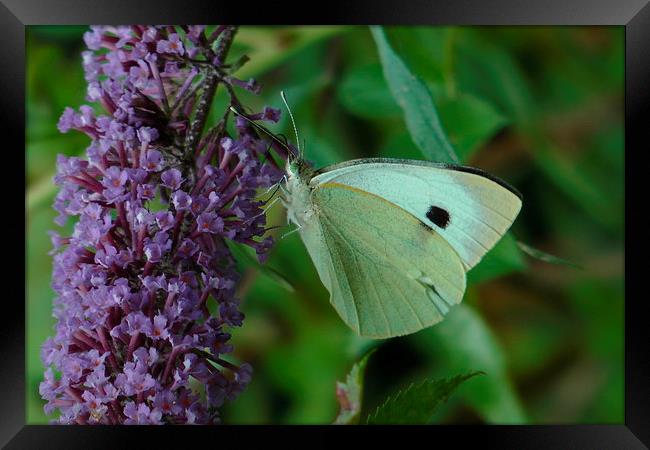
(146, 282)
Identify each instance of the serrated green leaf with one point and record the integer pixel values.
(463, 342)
(350, 393)
(416, 101)
(417, 403)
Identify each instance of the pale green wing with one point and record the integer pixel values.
(470, 208)
(388, 273)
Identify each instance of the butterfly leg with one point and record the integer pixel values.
(276, 186)
(264, 211)
(298, 227)
(267, 207)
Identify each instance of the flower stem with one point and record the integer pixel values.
(209, 87)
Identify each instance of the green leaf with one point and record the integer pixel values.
(323, 144)
(417, 403)
(415, 99)
(576, 183)
(461, 343)
(469, 121)
(423, 49)
(305, 369)
(399, 145)
(546, 257)
(268, 46)
(350, 393)
(363, 92)
(503, 259)
(490, 72)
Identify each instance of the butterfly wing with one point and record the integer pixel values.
(471, 209)
(388, 274)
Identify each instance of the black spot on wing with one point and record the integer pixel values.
(440, 217)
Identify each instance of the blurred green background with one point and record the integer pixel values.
(541, 107)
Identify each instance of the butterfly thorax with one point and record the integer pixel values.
(298, 202)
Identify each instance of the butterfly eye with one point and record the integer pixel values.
(440, 217)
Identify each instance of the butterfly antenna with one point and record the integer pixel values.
(261, 128)
(293, 122)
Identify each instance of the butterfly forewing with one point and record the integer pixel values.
(468, 208)
(387, 272)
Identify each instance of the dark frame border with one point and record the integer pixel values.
(633, 14)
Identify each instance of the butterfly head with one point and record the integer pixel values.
(298, 168)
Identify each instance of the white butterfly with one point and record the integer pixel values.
(393, 239)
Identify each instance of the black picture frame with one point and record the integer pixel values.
(634, 15)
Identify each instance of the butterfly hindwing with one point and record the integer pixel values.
(388, 273)
(466, 206)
